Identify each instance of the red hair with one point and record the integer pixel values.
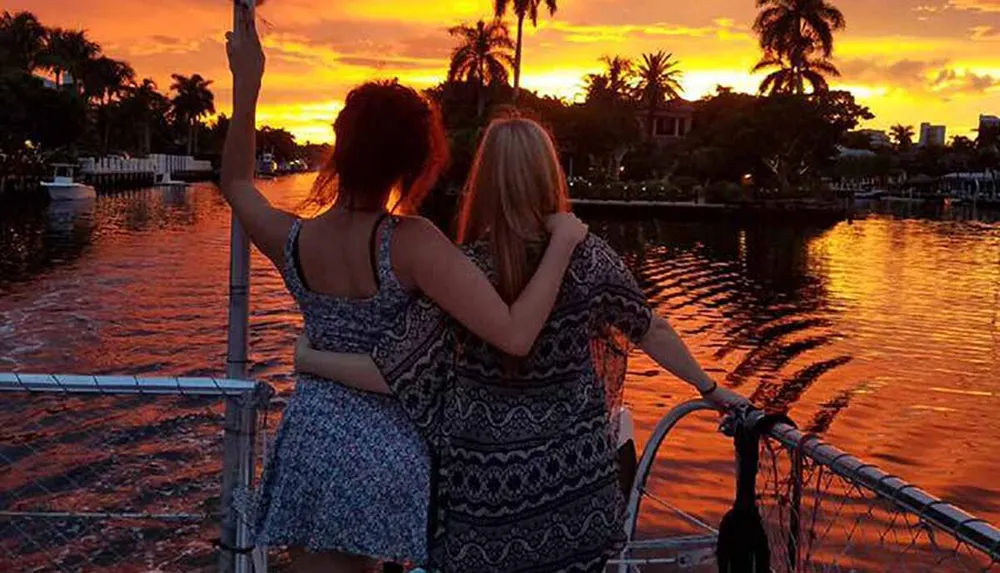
(389, 137)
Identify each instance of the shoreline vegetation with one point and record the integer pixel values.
(630, 136)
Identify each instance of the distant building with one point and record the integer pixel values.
(987, 122)
(932, 135)
(876, 138)
(855, 153)
(67, 80)
(671, 122)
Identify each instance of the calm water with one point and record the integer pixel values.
(884, 333)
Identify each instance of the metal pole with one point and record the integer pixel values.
(237, 470)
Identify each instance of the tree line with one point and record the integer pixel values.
(62, 96)
(783, 139)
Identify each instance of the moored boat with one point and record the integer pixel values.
(64, 188)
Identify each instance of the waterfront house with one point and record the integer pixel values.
(671, 121)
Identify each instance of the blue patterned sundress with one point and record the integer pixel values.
(349, 471)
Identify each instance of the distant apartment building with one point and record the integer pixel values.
(876, 138)
(932, 135)
(988, 121)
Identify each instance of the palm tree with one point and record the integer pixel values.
(787, 26)
(794, 72)
(522, 9)
(902, 135)
(659, 81)
(22, 39)
(142, 104)
(615, 84)
(193, 101)
(105, 80)
(483, 56)
(68, 52)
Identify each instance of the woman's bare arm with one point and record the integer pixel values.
(354, 370)
(666, 348)
(460, 288)
(267, 226)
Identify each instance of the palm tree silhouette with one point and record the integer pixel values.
(193, 101)
(483, 56)
(902, 136)
(787, 27)
(68, 52)
(791, 33)
(22, 41)
(522, 9)
(105, 80)
(794, 72)
(659, 81)
(141, 105)
(615, 83)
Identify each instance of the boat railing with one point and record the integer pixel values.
(111, 473)
(103, 473)
(823, 510)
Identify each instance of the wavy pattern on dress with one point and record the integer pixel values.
(526, 477)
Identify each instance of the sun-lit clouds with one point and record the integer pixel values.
(951, 81)
(979, 5)
(985, 33)
(909, 60)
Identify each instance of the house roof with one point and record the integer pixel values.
(679, 105)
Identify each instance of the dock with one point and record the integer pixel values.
(786, 210)
(116, 173)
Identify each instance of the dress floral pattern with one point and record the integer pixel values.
(349, 470)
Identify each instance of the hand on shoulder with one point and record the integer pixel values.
(566, 227)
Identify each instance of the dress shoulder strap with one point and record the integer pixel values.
(293, 268)
(375, 251)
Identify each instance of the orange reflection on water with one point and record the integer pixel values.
(882, 334)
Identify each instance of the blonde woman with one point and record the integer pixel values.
(523, 449)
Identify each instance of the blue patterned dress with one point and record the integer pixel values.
(349, 471)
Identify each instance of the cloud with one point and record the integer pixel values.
(903, 73)
(952, 82)
(976, 5)
(934, 78)
(985, 33)
(720, 29)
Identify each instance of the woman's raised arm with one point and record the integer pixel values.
(267, 226)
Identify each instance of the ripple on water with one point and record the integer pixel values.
(883, 334)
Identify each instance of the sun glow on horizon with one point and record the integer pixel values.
(907, 65)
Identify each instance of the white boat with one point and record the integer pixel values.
(63, 188)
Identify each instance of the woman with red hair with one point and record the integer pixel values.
(348, 480)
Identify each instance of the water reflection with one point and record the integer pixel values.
(883, 333)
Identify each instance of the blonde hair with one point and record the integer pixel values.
(514, 184)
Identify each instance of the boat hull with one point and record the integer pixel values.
(71, 192)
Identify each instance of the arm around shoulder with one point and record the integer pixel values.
(431, 263)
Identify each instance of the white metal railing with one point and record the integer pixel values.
(94, 468)
(824, 510)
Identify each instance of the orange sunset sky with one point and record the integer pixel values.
(909, 60)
